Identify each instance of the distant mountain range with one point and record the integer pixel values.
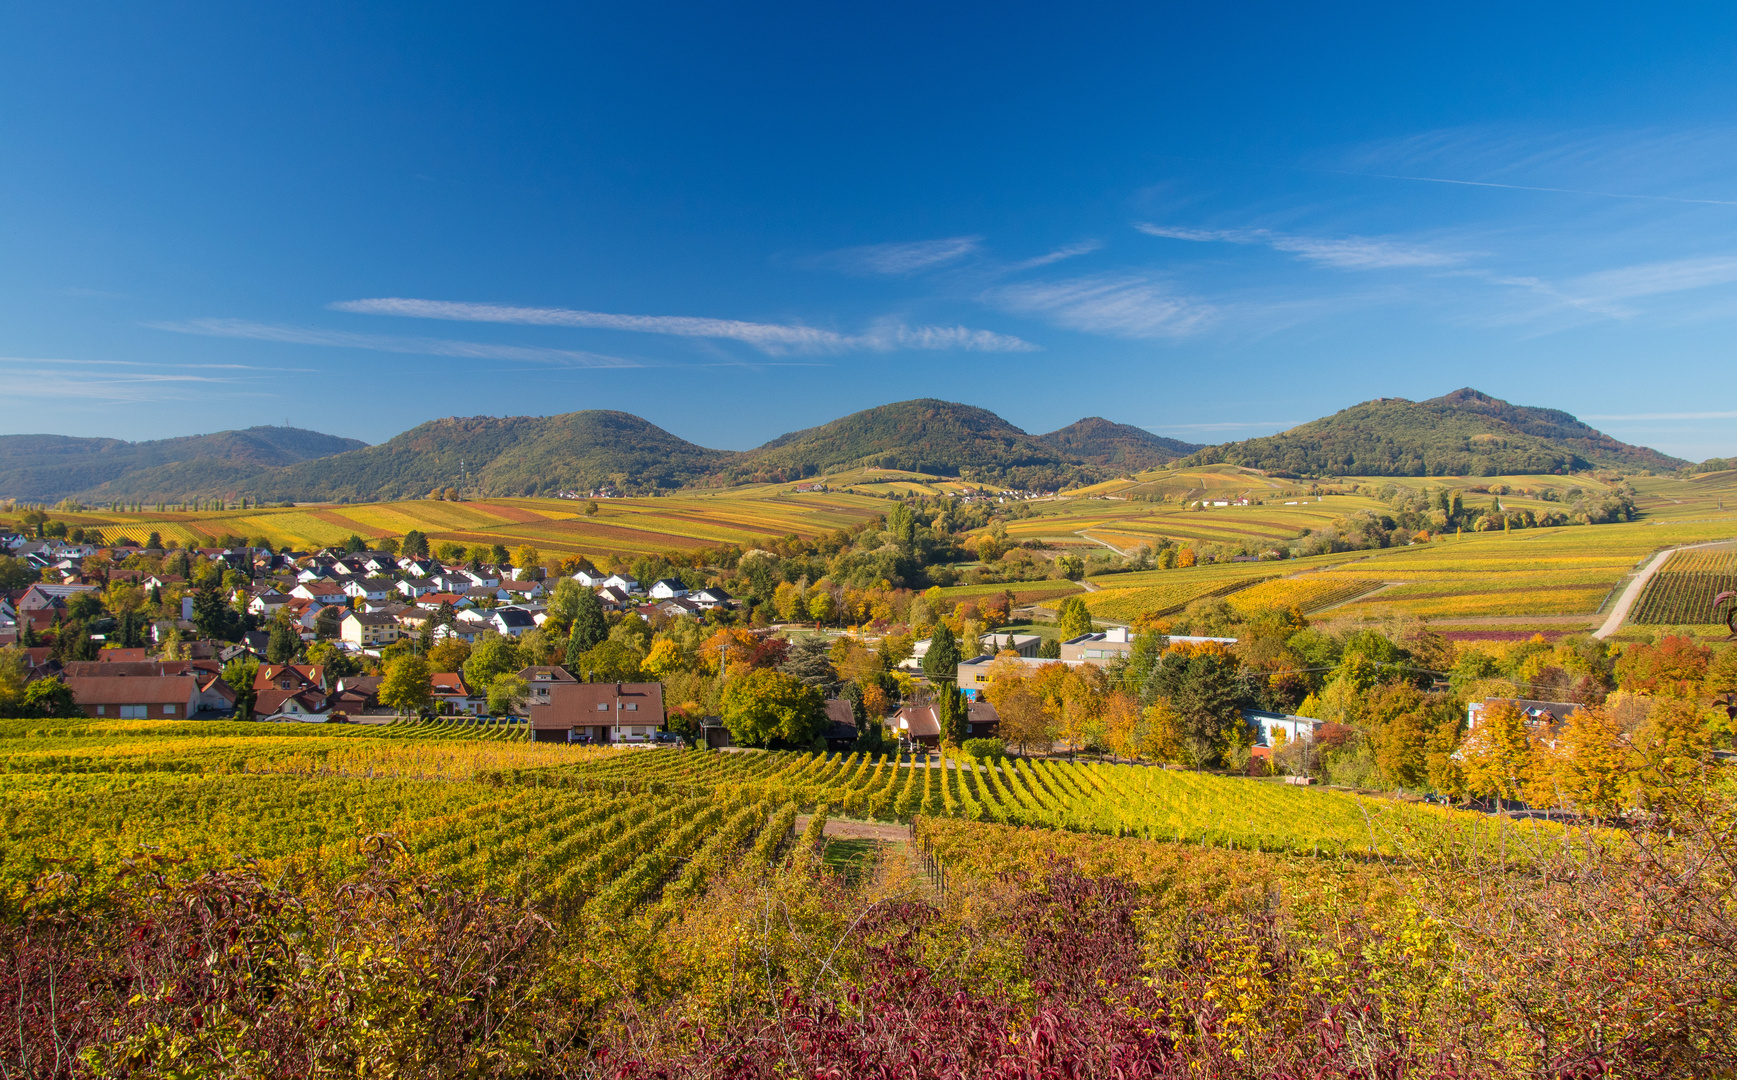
(1465, 433)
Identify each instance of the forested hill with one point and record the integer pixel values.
(1465, 433)
(1096, 441)
(48, 468)
(513, 455)
(925, 435)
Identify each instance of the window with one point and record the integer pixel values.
(632, 706)
(100, 709)
(603, 706)
(168, 710)
(132, 712)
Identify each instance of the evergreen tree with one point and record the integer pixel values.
(284, 643)
(810, 661)
(212, 617)
(951, 711)
(589, 628)
(941, 662)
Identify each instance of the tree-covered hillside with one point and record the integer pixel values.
(925, 435)
(47, 468)
(1465, 433)
(1096, 441)
(514, 455)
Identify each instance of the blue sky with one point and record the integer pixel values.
(1210, 221)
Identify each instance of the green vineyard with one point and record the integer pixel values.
(1682, 592)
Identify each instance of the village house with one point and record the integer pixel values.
(368, 629)
(711, 597)
(266, 602)
(522, 591)
(322, 592)
(840, 731)
(921, 724)
(452, 695)
(539, 679)
(1539, 714)
(368, 588)
(511, 621)
(614, 599)
(136, 697)
(1270, 731)
(357, 695)
(598, 713)
(668, 589)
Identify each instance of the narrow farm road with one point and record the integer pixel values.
(1095, 540)
(1625, 602)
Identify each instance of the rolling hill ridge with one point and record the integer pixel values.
(47, 468)
(1465, 433)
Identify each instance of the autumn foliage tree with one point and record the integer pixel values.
(765, 707)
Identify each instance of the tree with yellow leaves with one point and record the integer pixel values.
(665, 659)
(1584, 765)
(1497, 753)
(526, 558)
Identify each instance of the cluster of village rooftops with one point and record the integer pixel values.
(377, 597)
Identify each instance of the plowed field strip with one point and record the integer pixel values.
(515, 514)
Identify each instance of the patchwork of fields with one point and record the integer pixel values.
(554, 526)
(1553, 574)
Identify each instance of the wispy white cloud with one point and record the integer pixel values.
(1678, 165)
(1348, 253)
(944, 337)
(1656, 278)
(190, 367)
(771, 338)
(419, 346)
(765, 336)
(49, 382)
(1085, 247)
(1611, 293)
(905, 258)
(1118, 306)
